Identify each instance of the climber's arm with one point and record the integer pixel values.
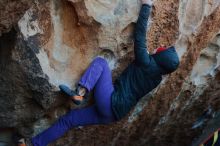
(140, 47)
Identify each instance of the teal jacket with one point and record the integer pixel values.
(144, 73)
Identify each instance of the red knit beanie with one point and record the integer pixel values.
(160, 49)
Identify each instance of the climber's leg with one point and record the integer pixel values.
(103, 91)
(98, 75)
(76, 117)
(91, 78)
(93, 73)
(102, 85)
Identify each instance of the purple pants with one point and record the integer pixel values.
(98, 77)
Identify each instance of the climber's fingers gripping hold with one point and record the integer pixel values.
(149, 2)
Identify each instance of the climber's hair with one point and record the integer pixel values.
(109, 56)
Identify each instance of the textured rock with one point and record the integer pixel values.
(10, 12)
(47, 43)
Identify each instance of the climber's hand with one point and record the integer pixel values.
(149, 2)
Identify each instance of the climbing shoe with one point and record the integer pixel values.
(76, 98)
(21, 141)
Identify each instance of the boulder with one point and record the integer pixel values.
(47, 43)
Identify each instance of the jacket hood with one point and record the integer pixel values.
(167, 60)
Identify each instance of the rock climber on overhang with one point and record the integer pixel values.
(114, 101)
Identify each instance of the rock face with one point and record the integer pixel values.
(10, 12)
(47, 43)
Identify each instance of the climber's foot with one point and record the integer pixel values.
(67, 90)
(76, 98)
(21, 142)
(24, 142)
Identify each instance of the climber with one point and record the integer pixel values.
(113, 102)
